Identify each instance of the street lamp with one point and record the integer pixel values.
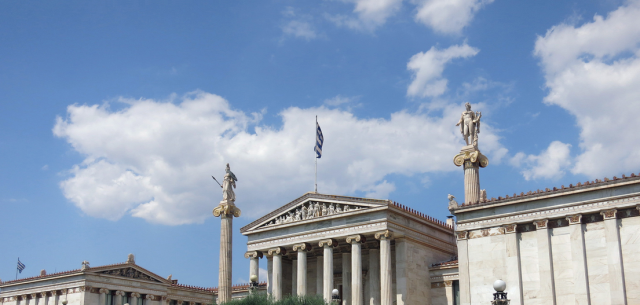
(500, 297)
(253, 285)
(335, 296)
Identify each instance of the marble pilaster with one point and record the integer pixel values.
(356, 268)
(277, 253)
(270, 275)
(53, 297)
(578, 256)
(614, 258)
(327, 282)
(301, 285)
(547, 293)
(374, 277)
(513, 271)
(386, 277)
(448, 291)
(463, 267)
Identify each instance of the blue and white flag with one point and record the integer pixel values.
(21, 266)
(319, 141)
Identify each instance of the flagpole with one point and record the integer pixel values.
(316, 157)
(17, 270)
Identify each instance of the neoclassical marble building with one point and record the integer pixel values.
(115, 284)
(373, 251)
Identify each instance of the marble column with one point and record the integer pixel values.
(327, 253)
(463, 267)
(118, 297)
(270, 275)
(294, 277)
(43, 298)
(277, 254)
(254, 263)
(34, 299)
(472, 160)
(226, 210)
(134, 298)
(547, 294)
(356, 268)
(386, 276)
(103, 296)
(513, 270)
(374, 277)
(319, 276)
(148, 300)
(346, 278)
(448, 292)
(614, 258)
(579, 258)
(301, 285)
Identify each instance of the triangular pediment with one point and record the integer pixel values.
(313, 207)
(129, 270)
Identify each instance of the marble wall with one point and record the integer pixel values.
(630, 242)
(598, 270)
(563, 265)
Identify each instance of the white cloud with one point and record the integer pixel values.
(154, 159)
(447, 16)
(593, 72)
(299, 29)
(427, 68)
(550, 164)
(263, 274)
(370, 14)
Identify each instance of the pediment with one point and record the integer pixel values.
(313, 207)
(131, 271)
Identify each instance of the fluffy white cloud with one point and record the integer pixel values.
(299, 29)
(370, 14)
(427, 68)
(153, 159)
(447, 16)
(593, 71)
(550, 164)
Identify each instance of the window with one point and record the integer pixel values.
(456, 292)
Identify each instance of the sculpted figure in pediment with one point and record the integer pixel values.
(304, 212)
(332, 209)
(325, 212)
(338, 208)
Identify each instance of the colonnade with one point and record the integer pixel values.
(380, 276)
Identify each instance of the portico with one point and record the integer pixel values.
(372, 251)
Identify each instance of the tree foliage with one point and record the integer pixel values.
(263, 299)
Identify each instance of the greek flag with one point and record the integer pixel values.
(21, 266)
(319, 141)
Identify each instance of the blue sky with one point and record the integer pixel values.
(114, 115)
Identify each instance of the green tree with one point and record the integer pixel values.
(263, 299)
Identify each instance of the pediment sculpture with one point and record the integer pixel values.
(312, 210)
(130, 273)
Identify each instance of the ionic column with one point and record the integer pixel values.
(178, 302)
(43, 298)
(277, 253)
(547, 293)
(374, 277)
(614, 258)
(134, 298)
(327, 282)
(346, 278)
(513, 270)
(302, 250)
(148, 299)
(448, 292)
(270, 275)
(319, 277)
(356, 268)
(579, 258)
(103, 296)
(254, 263)
(118, 296)
(463, 267)
(386, 296)
(224, 277)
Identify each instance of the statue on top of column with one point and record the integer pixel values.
(228, 185)
(470, 125)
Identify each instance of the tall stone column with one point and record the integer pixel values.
(270, 275)
(472, 160)
(547, 293)
(148, 300)
(118, 297)
(43, 298)
(302, 250)
(513, 271)
(134, 298)
(277, 254)
(327, 253)
(386, 276)
(346, 278)
(448, 292)
(103, 296)
(356, 268)
(579, 258)
(614, 258)
(374, 277)
(226, 211)
(254, 263)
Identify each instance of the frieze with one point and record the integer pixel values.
(130, 273)
(552, 213)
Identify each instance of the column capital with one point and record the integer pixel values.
(135, 294)
(462, 235)
(253, 254)
(575, 219)
(356, 239)
(43, 294)
(328, 243)
(150, 297)
(226, 209)
(609, 214)
(34, 295)
(103, 290)
(448, 283)
(53, 293)
(510, 228)
(384, 235)
(120, 293)
(302, 247)
(541, 224)
(277, 251)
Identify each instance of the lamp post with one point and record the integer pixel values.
(253, 285)
(500, 297)
(335, 296)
